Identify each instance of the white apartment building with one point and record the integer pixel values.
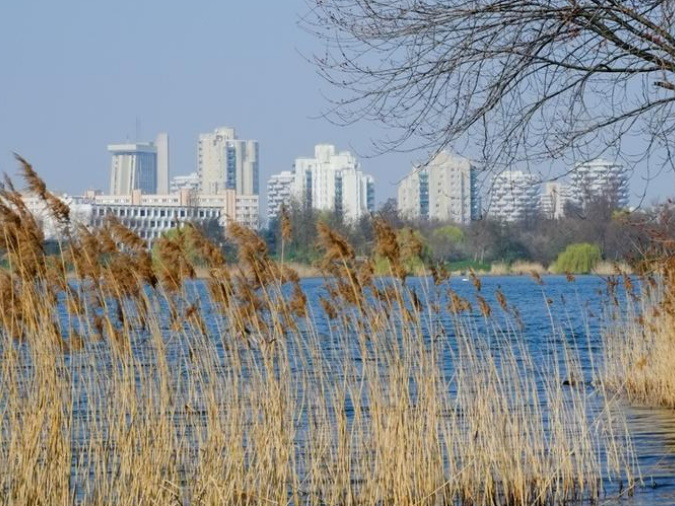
(555, 198)
(185, 182)
(140, 166)
(600, 179)
(413, 194)
(279, 191)
(446, 188)
(225, 162)
(333, 181)
(514, 196)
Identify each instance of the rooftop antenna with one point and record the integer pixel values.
(138, 129)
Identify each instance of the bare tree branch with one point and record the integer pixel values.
(517, 79)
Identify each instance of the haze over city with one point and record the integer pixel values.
(77, 76)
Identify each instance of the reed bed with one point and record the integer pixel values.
(639, 348)
(124, 381)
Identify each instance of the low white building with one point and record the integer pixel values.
(149, 216)
(80, 214)
(152, 215)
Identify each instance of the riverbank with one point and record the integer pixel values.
(305, 271)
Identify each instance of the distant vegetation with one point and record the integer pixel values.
(487, 245)
(578, 258)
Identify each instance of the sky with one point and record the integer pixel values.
(77, 75)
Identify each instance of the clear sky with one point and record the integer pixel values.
(76, 75)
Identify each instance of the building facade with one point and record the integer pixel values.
(150, 216)
(600, 179)
(134, 167)
(225, 162)
(515, 196)
(80, 214)
(163, 174)
(333, 181)
(446, 188)
(555, 199)
(279, 191)
(185, 182)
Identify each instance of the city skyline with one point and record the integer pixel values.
(91, 86)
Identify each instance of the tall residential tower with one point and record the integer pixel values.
(445, 188)
(227, 163)
(514, 196)
(600, 179)
(333, 181)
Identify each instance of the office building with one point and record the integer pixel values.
(152, 215)
(134, 167)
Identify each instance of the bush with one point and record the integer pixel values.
(578, 258)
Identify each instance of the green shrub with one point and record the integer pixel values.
(578, 258)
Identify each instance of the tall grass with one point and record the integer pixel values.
(639, 345)
(123, 382)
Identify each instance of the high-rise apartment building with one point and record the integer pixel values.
(554, 200)
(134, 167)
(333, 181)
(514, 196)
(279, 190)
(446, 188)
(227, 163)
(413, 194)
(600, 179)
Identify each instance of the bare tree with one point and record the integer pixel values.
(521, 79)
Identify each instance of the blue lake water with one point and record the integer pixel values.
(546, 318)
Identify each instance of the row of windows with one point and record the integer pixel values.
(135, 224)
(135, 212)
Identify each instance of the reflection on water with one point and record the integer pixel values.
(653, 434)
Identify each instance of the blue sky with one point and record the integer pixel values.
(76, 75)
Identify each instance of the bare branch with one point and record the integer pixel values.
(517, 79)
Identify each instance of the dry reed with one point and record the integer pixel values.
(124, 382)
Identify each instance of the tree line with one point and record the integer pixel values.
(618, 236)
